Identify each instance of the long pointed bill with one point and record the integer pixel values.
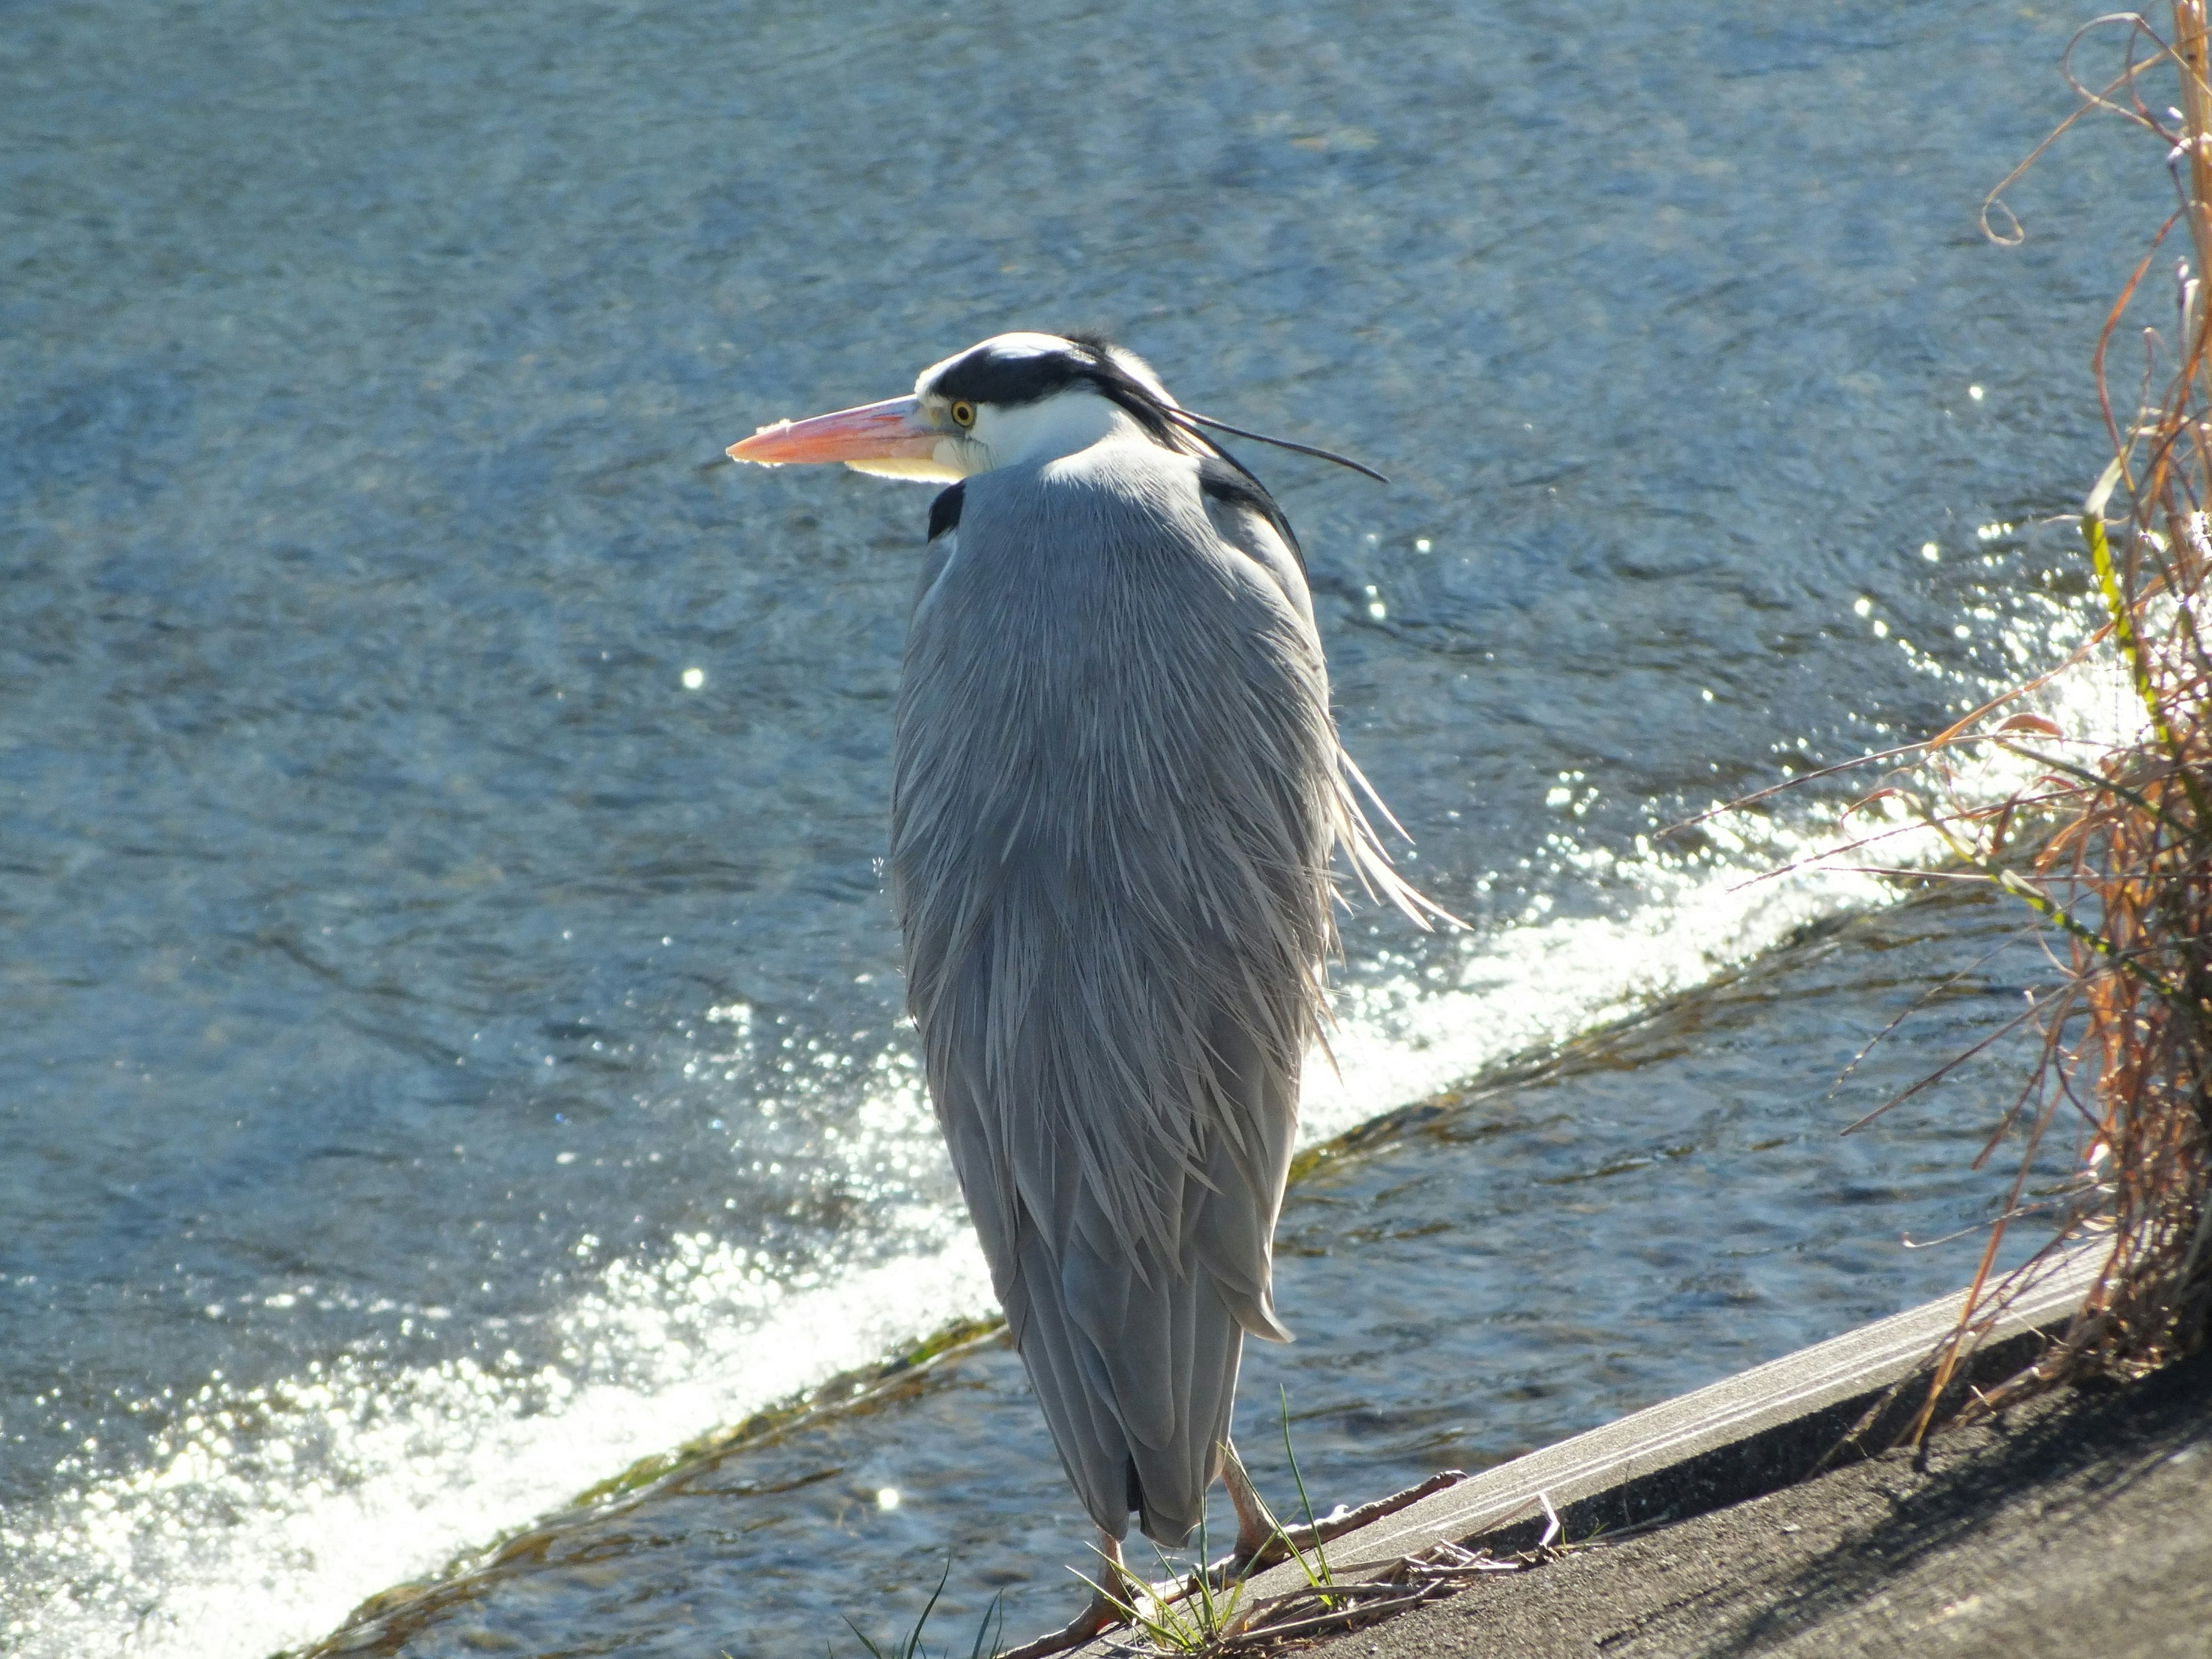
(885, 432)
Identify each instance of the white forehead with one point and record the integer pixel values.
(1024, 344)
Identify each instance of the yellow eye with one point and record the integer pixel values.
(963, 413)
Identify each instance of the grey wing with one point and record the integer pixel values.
(1133, 1363)
(1133, 1352)
(1244, 518)
(1111, 867)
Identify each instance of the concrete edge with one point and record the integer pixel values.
(1747, 1435)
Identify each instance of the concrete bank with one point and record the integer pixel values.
(1760, 1523)
(2080, 1523)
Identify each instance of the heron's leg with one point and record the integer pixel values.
(1255, 1526)
(1103, 1613)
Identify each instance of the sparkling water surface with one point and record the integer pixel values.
(454, 1044)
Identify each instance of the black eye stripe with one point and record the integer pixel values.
(1008, 380)
(985, 376)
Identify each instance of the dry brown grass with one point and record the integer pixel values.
(2112, 844)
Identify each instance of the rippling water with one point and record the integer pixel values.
(453, 1047)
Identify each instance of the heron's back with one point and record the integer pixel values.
(1116, 788)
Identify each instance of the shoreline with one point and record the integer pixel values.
(2073, 1522)
(1768, 1513)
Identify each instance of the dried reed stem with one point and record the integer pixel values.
(2123, 873)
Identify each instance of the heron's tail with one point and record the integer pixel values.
(1138, 1394)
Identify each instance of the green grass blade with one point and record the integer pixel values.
(1315, 1579)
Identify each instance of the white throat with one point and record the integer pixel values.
(1065, 423)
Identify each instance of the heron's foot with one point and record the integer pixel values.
(1100, 1616)
(1278, 1541)
(1103, 1612)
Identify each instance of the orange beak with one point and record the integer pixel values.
(888, 431)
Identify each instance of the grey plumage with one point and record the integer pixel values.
(1116, 790)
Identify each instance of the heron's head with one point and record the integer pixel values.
(1014, 398)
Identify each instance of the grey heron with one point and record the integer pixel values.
(1117, 787)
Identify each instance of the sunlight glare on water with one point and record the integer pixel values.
(286, 1506)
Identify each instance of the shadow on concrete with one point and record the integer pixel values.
(2063, 1464)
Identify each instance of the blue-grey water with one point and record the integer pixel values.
(452, 1043)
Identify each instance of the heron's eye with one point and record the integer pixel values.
(963, 413)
